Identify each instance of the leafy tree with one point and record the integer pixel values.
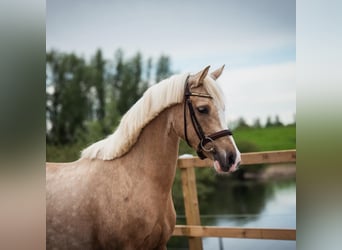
(98, 73)
(128, 82)
(92, 96)
(257, 123)
(67, 105)
(148, 70)
(277, 121)
(242, 123)
(163, 69)
(269, 122)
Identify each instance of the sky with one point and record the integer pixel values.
(255, 40)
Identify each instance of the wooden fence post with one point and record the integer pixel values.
(195, 231)
(191, 204)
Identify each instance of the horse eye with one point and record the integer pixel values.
(203, 110)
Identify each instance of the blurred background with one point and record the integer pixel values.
(25, 42)
(101, 57)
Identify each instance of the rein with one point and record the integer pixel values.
(204, 139)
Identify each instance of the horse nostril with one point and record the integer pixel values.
(231, 158)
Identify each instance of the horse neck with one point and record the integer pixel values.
(155, 153)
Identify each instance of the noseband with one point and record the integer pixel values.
(204, 139)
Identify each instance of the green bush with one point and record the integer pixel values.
(64, 153)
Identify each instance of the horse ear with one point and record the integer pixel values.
(198, 78)
(216, 74)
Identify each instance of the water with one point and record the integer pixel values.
(254, 204)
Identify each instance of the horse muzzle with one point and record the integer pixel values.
(226, 161)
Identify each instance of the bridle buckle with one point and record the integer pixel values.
(205, 141)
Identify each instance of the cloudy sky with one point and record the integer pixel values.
(255, 40)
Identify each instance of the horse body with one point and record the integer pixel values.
(118, 194)
(118, 204)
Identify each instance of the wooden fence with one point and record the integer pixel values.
(194, 231)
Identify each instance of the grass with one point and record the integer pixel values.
(266, 139)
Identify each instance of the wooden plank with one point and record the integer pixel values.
(235, 232)
(265, 157)
(194, 162)
(283, 156)
(194, 231)
(191, 204)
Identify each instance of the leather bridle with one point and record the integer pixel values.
(204, 139)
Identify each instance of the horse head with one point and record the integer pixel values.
(203, 121)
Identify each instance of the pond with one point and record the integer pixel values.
(251, 203)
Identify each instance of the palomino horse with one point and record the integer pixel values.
(118, 194)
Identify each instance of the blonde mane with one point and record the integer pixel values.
(156, 99)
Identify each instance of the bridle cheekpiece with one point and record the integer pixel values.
(204, 139)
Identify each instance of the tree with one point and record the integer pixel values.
(257, 123)
(98, 69)
(148, 71)
(277, 121)
(67, 105)
(128, 81)
(83, 96)
(269, 122)
(242, 123)
(163, 69)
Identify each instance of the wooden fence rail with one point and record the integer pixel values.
(195, 231)
(235, 232)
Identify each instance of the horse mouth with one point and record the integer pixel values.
(223, 168)
(217, 166)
